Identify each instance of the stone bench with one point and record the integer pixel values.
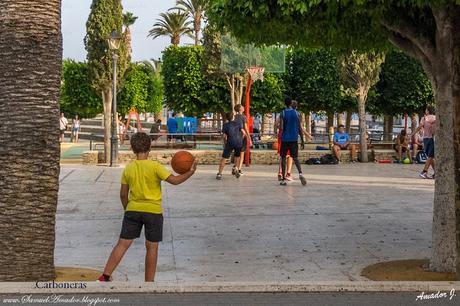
(212, 157)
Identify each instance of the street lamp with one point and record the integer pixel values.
(114, 42)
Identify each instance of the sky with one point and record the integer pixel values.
(76, 12)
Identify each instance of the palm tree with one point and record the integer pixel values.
(195, 10)
(172, 24)
(31, 53)
(128, 20)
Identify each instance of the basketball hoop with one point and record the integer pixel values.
(256, 73)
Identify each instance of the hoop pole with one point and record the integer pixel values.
(248, 102)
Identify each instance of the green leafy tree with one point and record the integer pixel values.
(403, 88)
(195, 10)
(360, 71)
(425, 30)
(142, 90)
(77, 95)
(172, 24)
(211, 67)
(313, 78)
(267, 96)
(183, 80)
(105, 16)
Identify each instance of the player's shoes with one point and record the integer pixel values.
(280, 177)
(283, 183)
(303, 180)
(234, 170)
(240, 172)
(237, 174)
(289, 178)
(219, 176)
(104, 278)
(424, 175)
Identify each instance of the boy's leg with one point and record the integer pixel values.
(283, 159)
(151, 257)
(222, 165)
(289, 165)
(336, 151)
(117, 254)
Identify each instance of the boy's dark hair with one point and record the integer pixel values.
(403, 132)
(294, 104)
(430, 110)
(341, 125)
(174, 114)
(229, 116)
(140, 143)
(237, 108)
(288, 102)
(159, 121)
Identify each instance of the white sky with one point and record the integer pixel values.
(75, 13)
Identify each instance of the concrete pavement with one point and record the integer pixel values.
(252, 229)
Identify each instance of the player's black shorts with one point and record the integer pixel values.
(133, 222)
(228, 151)
(428, 147)
(291, 146)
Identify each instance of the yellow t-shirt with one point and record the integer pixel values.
(144, 180)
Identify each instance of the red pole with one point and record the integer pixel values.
(248, 95)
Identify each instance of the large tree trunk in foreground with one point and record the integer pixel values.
(107, 101)
(387, 128)
(439, 57)
(30, 65)
(362, 126)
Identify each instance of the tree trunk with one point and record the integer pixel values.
(340, 120)
(387, 128)
(308, 122)
(107, 101)
(440, 58)
(30, 65)
(348, 122)
(444, 227)
(330, 121)
(265, 124)
(362, 127)
(413, 122)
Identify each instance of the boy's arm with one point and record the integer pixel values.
(179, 179)
(124, 193)
(245, 133)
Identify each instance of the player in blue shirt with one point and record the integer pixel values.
(172, 126)
(290, 129)
(342, 142)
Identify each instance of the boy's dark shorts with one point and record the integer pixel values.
(133, 222)
(289, 146)
(228, 150)
(428, 147)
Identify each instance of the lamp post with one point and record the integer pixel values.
(114, 42)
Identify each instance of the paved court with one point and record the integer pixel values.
(252, 229)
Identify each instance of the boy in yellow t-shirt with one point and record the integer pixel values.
(140, 196)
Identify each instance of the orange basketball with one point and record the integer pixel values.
(275, 146)
(182, 161)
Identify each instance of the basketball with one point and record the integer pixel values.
(275, 146)
(182, 161)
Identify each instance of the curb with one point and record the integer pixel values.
(259, 287)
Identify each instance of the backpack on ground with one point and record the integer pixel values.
(329, 159)
(313, 161)
(421, 157)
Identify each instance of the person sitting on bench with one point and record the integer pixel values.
(342, 142)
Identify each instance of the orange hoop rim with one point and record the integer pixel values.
(256, 73)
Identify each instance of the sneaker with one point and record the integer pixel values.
(303, 180)
(104, 278)
(219, 176)
(432, 177)
(280, 177)
(234, 170)
(288, 178)
(237, 174)
(240, 172)
(283, 183)
(424, 175)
